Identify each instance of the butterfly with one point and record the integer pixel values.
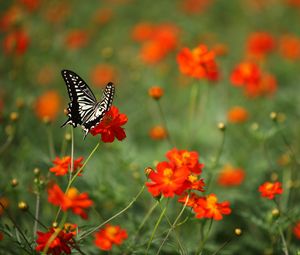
(84, 109)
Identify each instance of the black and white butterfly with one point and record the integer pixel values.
(84, 109)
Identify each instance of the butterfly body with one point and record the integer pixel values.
(84, 109)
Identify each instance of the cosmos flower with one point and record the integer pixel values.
(259, 44)
(230, 176)
(16, 42)
(296, 230)
(237, 114)
(78, 203)
(269, 189)
(158, 132)
(111, 126)
(62, 165)
(198, 63)
(110, 235)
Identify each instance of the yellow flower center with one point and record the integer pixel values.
(168, 172)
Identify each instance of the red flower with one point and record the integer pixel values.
(245, 73)
(230, 176)
(266, 86)
(167, 179)
(208, 207)
(108, 236)
(237, 114)
(192, 201)
(111, 126)
(63, 165)
(296, 230)
(61, 243)
(195, 6)
(269, 189)
(77, 39)
(16, 42)
(259, 44)
(71, 200)
(289, 47)
(184, 158)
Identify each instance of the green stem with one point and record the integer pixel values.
(201, 247)
(222, 246)
(156, 226)
(284, 245)
(36, 217)
(173, 225)
(172, 144)
(72, 155)
(50, 142)
(113, 217)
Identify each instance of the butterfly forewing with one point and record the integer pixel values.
(84, 109)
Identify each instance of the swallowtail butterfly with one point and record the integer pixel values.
(84, 109)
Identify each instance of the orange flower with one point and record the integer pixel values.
(198, 63)
(111, 126)
(110, 235)
(10, 17)
(259, 44)
(208, 207)
(16, 42)
(158, 133)
(220, 49)
(195, 6)
(266, 86)
(289, 47)
(71, 200)
(269, 189)
(158, 40)
(192, 201)
(103, 16)
(295, 3)
(61, 244)
(102, 74)
(296, 230)
(245, 73)
(48, 105)
(237, 114)
(77, 39)
(31, 5)
(230, 176)
(156, 92)
(167, 180)
(184, 158)
(62, 165)
(4, 203)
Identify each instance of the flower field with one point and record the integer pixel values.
(150, 127)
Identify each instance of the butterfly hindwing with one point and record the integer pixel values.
(84, 109)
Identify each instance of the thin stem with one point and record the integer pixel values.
(50, 142)
(223, 246)
(114, 216)
(284, 248)
(37, 220)
(36, 217)
(72, 155)
(173, 225)
(165, 123)
(156, 226)
(201, 247)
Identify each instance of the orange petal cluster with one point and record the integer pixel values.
(102, 74)
(259, 44)
(157, 40)
(207, 206)
(16, 42)
(269, 189)
(198, 63)
(230, 176)
(78, 203)
(76, 39)
(110, 235)
(289, 47)
(296, 230)
(180, 174)
(158, 133)
(62, 165)
(237, 114)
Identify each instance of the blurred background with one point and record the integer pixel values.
(135, 45)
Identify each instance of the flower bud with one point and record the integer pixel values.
(23, 206)
(275, 213)
(54, 224)
(14, 116)
(274, 116)
(68, 137)
(238, 232)
(148, 170)
(221, 126)
(156, 92)
(14, 182)
(36, 171)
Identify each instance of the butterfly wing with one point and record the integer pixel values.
(83, 101)
(100, 109)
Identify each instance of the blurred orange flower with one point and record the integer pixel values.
(245, 73)
(195, 6)
(156, 92)
(269, 189)
(110, 235)
(220, 49)
(61, 244)
(184, 158)
(31, 5)
(77, 39)
(267, 86)
(158, 133)
(48, 105)
(237, 114)
(158, 40)
(4, 202)
(295, 3)
(296, 230)
(102, 74)
(259, 44)
(62, 166)
(103, 16)
(16, 42)
(198, 63)
(230, 176)
(167, 180)
(289, 47)
(111, 126)
(71, 200)
(208, 207)
(10, 17)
